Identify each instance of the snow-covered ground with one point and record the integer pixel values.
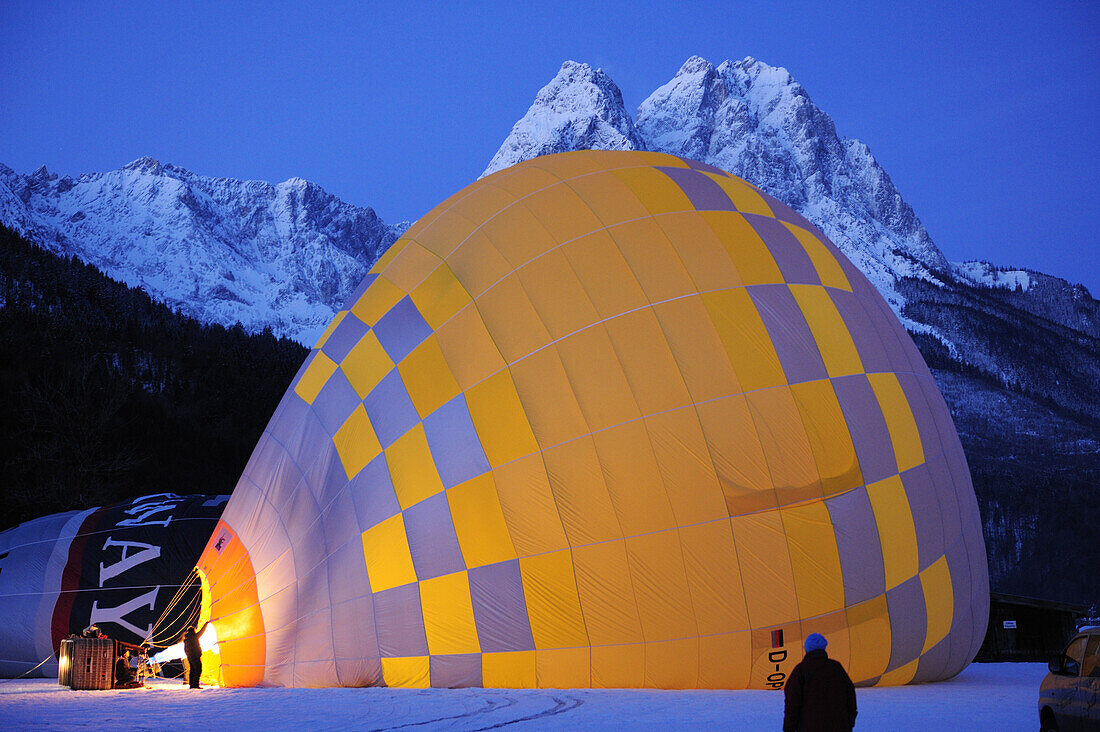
(998, 696)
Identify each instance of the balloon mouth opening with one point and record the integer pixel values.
(208, 641)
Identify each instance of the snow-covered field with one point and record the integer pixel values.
(998, 696)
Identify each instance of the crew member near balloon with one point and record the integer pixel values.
(819, 695)
(124, 674)
(193, 651)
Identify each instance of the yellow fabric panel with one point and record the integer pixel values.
(553, 607)
(499, 419)
(508, 670)
(672, 664)
(563, 214)
(869, 634)
(766, 571)
(446, 232)
(598, 380)
(411, 266)
(331, 327)
(518, 234)
(563, 668)
(834, 341)
(746, 198)
(618, 667)
(386, 549)
(406, 672)
(830, 440)
(745, 338)
(815, 560)
(479, 522)
(439, 296)
(714, 578)
(828, 268)
(725, 661)
(427, 377)
(483, 202)
(633, 480)
(750, 256)
(477, 264)
(661, 587)
(582, 498)
(607, 280)
(449, 614)
(557, 295)
(607, 596)
(786, 447)
(737, 455)
(309, 386)
(608, 197)
(469, 350)
(527, 503)
(511, 319)
(356, 443)
(900, 676)
(548, 398)
(651, 257)
(657, 192)
(577, 163)
(389, 255)
(939, 601)
(685, 466)
(377, 300)
(899, 420)
(698, 350)
(366, 364)
(647, 361)
(522, 180)
(896, 530)
(412, 469)
(643, 157)
(704, 256)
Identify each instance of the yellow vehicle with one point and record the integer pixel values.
(1069, 697)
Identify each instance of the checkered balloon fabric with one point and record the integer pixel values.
(603, 419)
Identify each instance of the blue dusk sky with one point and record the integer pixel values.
(984, 114)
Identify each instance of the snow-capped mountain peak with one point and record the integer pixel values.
(581, 108)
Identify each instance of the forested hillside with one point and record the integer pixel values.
(110, 395)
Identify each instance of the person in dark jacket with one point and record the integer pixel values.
(193, 651)
(124, 674)
(819, 695)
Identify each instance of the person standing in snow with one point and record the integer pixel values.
(819, 695)
(193, 651)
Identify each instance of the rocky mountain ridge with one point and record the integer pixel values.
(221, 250)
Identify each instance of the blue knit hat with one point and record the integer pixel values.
(815, 642)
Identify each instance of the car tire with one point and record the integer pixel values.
(1047, 722)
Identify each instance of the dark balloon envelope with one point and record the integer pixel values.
(117, 566)
(610, 419)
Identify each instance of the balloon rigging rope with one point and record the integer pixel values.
(192, 577)
(47, 658)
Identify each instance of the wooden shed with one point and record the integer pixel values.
(1027, 629)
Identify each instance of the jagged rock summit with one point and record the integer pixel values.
(221, 250)
(580, 109)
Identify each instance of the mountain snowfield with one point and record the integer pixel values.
(223, 251)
